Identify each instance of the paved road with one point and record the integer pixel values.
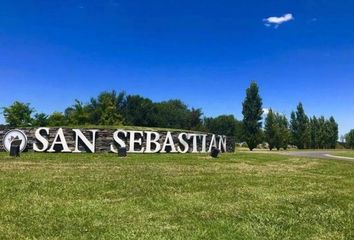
(317, 154)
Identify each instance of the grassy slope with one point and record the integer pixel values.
(242, 196)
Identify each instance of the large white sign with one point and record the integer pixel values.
(134, 141)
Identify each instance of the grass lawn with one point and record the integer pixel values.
(346, 153)
(238, 196)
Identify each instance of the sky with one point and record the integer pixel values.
(205, 53)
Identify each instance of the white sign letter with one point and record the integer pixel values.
(81, 136)
(212, 143)
(155, 141)
(195, 144)
(41, 139)
(133, 140)
(169, 142)
(183, 142)
(60, 140)
(222, 143)
(119, 141)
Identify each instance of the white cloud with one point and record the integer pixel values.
(265, 111)
(276, 21)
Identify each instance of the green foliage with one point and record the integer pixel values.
(226, 125)
(277, 132)
(172, 114)
(323, 133)
(195, 119)
(252, 116)
(18, 114)
(283, 136)
(271, 130)
(57, 119)
(299, 128)
(109, 108)
(349, 138)
(77, 114)
(139, 111)
(40, 120)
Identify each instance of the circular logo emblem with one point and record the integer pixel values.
(15, 137)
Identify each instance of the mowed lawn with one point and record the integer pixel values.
(175, 196)
(347, 153)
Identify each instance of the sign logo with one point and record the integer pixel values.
(15, 137)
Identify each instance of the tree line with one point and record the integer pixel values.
(112, 108)
(115, 109)
(301, 131)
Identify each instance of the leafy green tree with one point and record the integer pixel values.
(195, 119)
(172, 114)
(40, 120)
(349, 138)
(18, 114)
(226, 125)
(77, 114)
(139, 111)
(110, 108)
(299, 128)
(57, 119)
(271, 130)
(252, 116)
(106, 109)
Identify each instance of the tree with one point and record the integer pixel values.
(172, 114)
(323, 133)
(107, 109)
(349, 138)
(77, 114)
(283, 133)
(195, 119)
(57, 119)
(226, 125)
(252, 116)
(314, 132)
(139, 111)
(40, 120)
(18, 114)
(334, 133)
(271, 130)
(299, 128)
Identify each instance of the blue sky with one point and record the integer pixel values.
(203, 52)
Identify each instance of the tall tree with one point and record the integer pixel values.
(314, 132)
(283, 133)
(349, 138)
(334, 133)
(252, 116)
(271, 130)
(18, 114)
(299, 128)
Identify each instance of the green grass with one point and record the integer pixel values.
(238, 196)
(346, 153)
